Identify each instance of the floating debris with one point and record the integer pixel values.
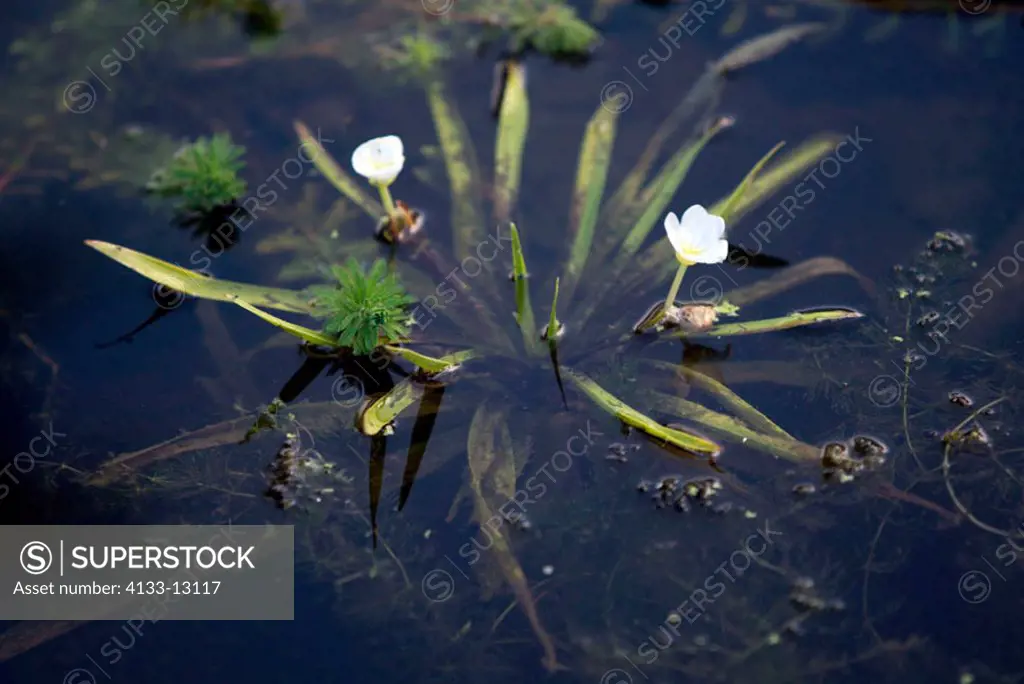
(681, 494)
(617, 451)
(548, 570)
(948, 241)
(973, 437)
(841, 462)
(866, 445)
(929, 318)
(960, 399)
(296, 477)
(804, 489)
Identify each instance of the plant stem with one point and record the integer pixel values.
(674, 290)
(385, 198)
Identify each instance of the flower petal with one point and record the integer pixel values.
(715, 253)
(675, 232)
(695, 215)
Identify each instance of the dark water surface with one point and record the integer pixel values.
(935, 104)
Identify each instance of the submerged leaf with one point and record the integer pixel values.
(768, 45)
(333, 172)
(591, 175)
(513, 121)
(633, 418)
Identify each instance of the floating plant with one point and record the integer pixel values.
(486, 324)
(202, 175)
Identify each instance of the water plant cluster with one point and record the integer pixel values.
(202, 175)
(611, 259)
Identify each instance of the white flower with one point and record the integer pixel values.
(379, 160)
(698, 238)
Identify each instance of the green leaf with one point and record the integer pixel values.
(305, 334)
(780, 175)
(344, 183)
(659, 193)
(730, 399)
(633, 418)
(726, 208)
(463, 172)
(591, 176)
(429, 363)
(733, 430)
(383, 410)
(552, 333)
(793, 320)
(513, 121)
(524, 311)
(199, 285)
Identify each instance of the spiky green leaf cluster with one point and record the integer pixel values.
(555, 31)
(202, 175)
(364, 307)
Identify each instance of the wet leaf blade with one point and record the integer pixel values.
(779, 175)
(591, 177)
(729, 428)
(633, 418)
(743, 409)
(460, 164)
(429, 363)
(337, 177)
(303, 333)
(483, 447)
(513, 123)
(524, 310)
(553, 320)
(763, 47)
(732, 201)
(383, 410)
(793, 320)
(659, 193)
(198, 285)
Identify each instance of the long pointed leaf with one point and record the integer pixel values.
(733, 200)
(303, 333)
(657, 196)
(731, 429)
(463, 172)
(591, 176)
(199, 285)
(333, 172)
(793, 320)
(730, 399)
(780, 174)
(633, 418)
(513, 121)
(524, 311)
(429, 363)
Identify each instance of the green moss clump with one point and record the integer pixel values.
(202, 175)
(364, 307)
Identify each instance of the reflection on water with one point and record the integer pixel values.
(505, 518)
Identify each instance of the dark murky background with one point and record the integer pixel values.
(936, 99)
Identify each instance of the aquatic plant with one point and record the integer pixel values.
(202, 175)
(601, 270)
(365, 308)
